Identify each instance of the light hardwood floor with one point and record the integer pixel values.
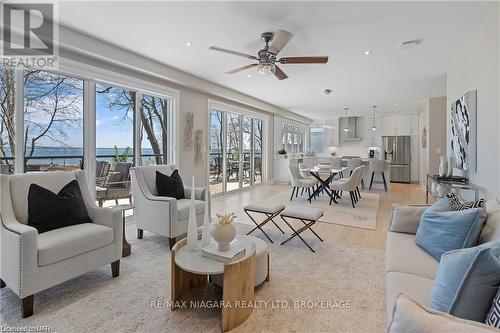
(397, 194)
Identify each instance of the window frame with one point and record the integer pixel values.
(225, 108)
(90, 75)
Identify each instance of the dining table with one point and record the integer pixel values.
(319, 173)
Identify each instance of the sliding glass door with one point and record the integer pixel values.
(235, 151)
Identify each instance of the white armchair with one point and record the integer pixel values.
(32, 262)
(165, 216)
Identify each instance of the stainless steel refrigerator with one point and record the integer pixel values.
(397, 150)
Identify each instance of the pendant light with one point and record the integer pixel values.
(325, 124)
(374, 128)
(346, 128)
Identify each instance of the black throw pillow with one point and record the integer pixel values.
(48, 211)
(170, 186)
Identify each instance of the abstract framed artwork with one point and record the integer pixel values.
(464, 132)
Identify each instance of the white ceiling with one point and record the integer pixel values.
(341, 30)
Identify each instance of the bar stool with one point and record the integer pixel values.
(377, 165)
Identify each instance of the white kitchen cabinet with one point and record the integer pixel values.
(402, 124)
(388, 125)
(415, 130)
(397, 124)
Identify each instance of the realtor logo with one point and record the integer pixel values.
(29, 34)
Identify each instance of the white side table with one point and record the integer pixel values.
(127, 248)
(190, 269)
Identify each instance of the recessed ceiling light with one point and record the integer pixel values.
(367, 52)
(188, 44)
(249, 75)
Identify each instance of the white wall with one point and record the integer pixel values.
(436, 133)
(476, 68)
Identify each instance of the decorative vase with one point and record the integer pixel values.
(206, 239)
(224, 231)
(192, 230)
(449, 171)
(443, 166)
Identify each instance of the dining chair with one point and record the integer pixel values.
(298, 182)
(352, 164)
(350, 184)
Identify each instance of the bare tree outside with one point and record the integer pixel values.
(53, 106)
(154, 118)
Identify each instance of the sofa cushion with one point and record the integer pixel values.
(466, 282)
(491, 228)
(148, 174)
(183, 206)
(48, 210)
(59, 244)
(170, 186)
(20, 183)
(441, 231)
(414, 286)
(493, 318)
(411, 317)
(404, 256)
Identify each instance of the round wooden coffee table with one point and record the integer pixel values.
(191, 269)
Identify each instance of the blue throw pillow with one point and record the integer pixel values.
(466, 281)
(442, 229)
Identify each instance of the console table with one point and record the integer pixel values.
(438, 188)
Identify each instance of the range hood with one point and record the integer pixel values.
(353, 125)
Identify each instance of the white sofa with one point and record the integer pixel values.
(165, 216)
(410, 270)
(32, 262)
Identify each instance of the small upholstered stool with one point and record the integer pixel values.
(262, 262)
(308, 216)
(269, 209)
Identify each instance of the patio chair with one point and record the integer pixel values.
(116, 185)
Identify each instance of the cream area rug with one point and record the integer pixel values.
(340, 287)
(363, 216)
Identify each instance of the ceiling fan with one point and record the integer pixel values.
(268, 57)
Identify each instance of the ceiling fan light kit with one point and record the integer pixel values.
(267, 57)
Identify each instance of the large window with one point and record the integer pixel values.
(317, 140)
(235, 151)
(215, 157)
(154, 129)
(258, 135)
(53, 127)
(53, 122)
(293, 138)
(114, 124)
(7, 128)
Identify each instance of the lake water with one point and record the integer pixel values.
(73, 156)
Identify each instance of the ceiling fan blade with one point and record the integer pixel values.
(242, 68)
(241, 54)
(304, 60)
(281, 38)
(280, 74)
